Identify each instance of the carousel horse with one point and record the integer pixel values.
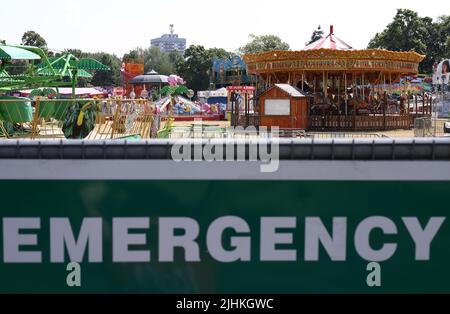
(324, 109)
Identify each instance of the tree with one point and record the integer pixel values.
(443, 31)
(155, 59)
(107, 78)
(263, 43)
(175, 57)
(136, 53)
(316, 35)
(196, 64)
(2, 41)
(434, 45)
(407, 32)
(220, 53)
(31, 38)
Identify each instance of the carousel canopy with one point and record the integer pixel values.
(329, 42)
(331, 55)
(150, 78)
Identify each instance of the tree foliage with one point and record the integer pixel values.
(155, 59)
(195, 66)
(107, 78)
(31, 38)
(410, 32)
(443, 35)
(134, 54)
(316, 35)
(263, 43)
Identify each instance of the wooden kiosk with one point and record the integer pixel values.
(284, 106)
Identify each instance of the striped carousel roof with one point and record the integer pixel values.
(329, 42)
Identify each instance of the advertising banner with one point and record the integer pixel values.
(441, 73)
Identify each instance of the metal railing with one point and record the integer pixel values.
(344, 135)
(431, 127)
(359, 123)
(292, 149)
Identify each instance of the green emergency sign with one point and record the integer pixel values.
(229, 231)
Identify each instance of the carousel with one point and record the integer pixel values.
(347, 88)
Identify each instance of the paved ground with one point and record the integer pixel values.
(393, 133)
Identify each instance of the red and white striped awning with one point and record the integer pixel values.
(329, 42)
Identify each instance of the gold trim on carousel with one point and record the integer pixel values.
(377, 54)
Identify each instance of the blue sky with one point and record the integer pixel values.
(118, 26)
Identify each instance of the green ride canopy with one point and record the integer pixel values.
(81, 73)
(15, 53)
(70, 61)
(50, 72)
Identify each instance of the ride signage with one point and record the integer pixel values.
(241, 88)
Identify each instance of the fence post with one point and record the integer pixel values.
(384, 111)
(34, 124)
(415, 102)
(407, 100)
(423, 103)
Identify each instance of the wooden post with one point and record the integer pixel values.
(407, 100)
(303, 80)
(35, 118)
(429, 104)
(346, 97)
(363, 87)
(384, 111)
(232, 109)
(355, 104)
(423, 103)
(339, 93)
(415, 103)
(390, 85)
(323, 85)
(247, 113)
